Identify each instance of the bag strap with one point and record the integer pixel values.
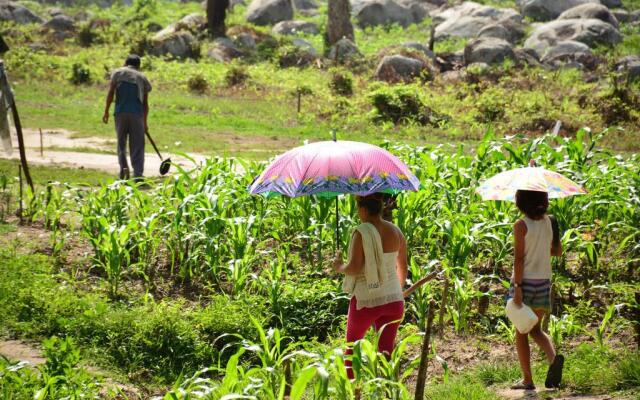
(556, 231)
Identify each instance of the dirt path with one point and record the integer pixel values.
(539, 394)
(62, 149)
(16, 350)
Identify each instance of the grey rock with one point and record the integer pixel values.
(56, 11)
(245, 41)
(629, 67)
(508, 30)
(588, 31)
(223, 50)
(193, 23)
(488, 50)
(303, 54)
(527, 57)
(295, 28)
(590, 10)
(268, 12)
(179, 44)
(18, 13)
(399, 68)
(546, 10)
(463, 27)
(634, 16)
(383, 12)
(612, 3)
(621, 15)
(305, 5)
(472, 9)
(421, 48)
(565, 50)
(60, 23)
(344, 50)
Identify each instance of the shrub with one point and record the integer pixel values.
(267, 48)
(140, 45)
(312, 309)
(236, 75)
(198, 84)
(80, 74)
(402, 104)
(86, 37)
(341, 82)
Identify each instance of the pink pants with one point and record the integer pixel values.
(359, 321)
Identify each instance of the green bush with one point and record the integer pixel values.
(236, 76)
(341, 82)
(80, 74)
(312, 309)
(198, 84)
(402, 104)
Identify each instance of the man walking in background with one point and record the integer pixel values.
(131, 89)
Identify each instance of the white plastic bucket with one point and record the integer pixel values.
(522, 317)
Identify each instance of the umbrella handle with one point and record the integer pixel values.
(337, 228)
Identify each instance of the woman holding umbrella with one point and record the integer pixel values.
(536, 239)
(375, 273)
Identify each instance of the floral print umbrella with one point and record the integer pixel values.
(504, 185)
(334, 167)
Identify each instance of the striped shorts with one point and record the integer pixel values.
(536, 293)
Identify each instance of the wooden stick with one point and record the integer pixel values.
(421, 282)
(432, 37)
(424, 356)
(20, 193)
(6, 89)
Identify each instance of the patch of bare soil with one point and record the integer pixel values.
(16, 350)
(84, 158)
(539, 394)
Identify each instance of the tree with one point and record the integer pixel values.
(216, 13)
(339, 23)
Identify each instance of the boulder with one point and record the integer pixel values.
(508, 30)
(399, 68)
(463, 27)
(18, 13)
(419, 10)
(344, 50)
(621, 15)
(245, 41)
(421, 48)
(193, 23)
(268, 12)
(546, 10)
(565, 50)
(629, 67)
(472, 9)
(180, 44)
(83, 16)
(383, 12)
(300, 5)
(60, 23)
(300, 54)
(56, 11)
(611, 3)
(590, 10)
(295, 28)
(588, 31)
(527, 57)
(488, 50)
(634, 16)
(223, 50)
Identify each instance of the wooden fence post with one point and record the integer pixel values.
(424, 356)
(443, 305)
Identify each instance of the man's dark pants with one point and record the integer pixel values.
(132, 126)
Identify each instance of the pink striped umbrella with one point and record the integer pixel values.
(334, 167)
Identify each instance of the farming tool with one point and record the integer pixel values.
(165, 164)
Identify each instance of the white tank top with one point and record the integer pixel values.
(537, 248)
(389, 292)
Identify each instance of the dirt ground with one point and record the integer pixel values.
(92, 153)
